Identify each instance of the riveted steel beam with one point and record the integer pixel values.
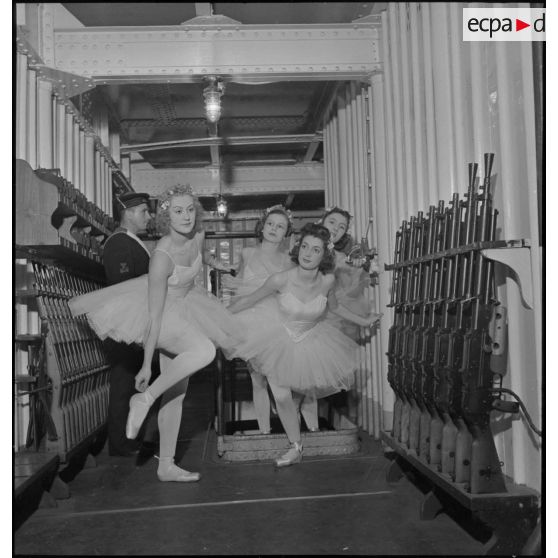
(64, 84)
(214, 141)
(237, 52)
(245, 181)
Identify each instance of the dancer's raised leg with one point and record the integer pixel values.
(194, 351)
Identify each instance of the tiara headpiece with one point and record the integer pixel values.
(282, 209)
(177, 190)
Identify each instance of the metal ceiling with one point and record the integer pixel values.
(164, 125)
(175, 13)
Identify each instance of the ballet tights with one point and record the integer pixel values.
(170, 412)
(262, 405)
(308, 409)
(287, 410)
(194, 352)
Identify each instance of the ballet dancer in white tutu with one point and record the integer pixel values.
(350, 282)
(256, 264)
(301, 352)
(165, 310)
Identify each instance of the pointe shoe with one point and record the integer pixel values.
(139, 406)
(169, 472)
(294, 455)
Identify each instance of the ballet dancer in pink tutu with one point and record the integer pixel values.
(165, 310)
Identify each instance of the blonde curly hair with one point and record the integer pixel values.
(162, 219)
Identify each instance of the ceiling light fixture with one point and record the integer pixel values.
(222, 207)
(212, 98)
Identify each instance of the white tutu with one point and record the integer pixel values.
(121, 312)
(265, 312)
(302, 351)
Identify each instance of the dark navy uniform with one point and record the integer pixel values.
(124, 257)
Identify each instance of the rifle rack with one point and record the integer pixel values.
(440, 346)
(516, 254)
(511, 515)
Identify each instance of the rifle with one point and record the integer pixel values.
(422, 382)
(396, 287)
(409, 351)
(457, 449)
(449, 335)
(439, 417)
(477, 398)
(403, 332)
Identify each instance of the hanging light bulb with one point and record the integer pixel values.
(222, 208)
(212, 97)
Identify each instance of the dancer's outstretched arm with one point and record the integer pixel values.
(273, 284)
(348, 315)
(160, 269)
(241, 264)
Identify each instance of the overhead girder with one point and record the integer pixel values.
(78, 59)
(243, 53)
(215, 141)
(247, 180)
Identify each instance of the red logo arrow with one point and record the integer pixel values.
(519, 25)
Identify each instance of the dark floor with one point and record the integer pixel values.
(335, 505)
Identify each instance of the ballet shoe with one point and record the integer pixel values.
(294, 455)
(139, 407)
(169, 472)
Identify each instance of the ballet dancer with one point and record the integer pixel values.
(302, 353)
(351, 282)
(256, 264)
(164, 310)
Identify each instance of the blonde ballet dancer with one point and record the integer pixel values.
(165, 310)
(301, 353)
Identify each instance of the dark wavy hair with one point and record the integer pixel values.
(327, 265)
(345, 243)
(279, 210)
(162, 218)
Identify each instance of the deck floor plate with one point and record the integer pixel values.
(324, 505)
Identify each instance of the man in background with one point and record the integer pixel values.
(125, 257)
